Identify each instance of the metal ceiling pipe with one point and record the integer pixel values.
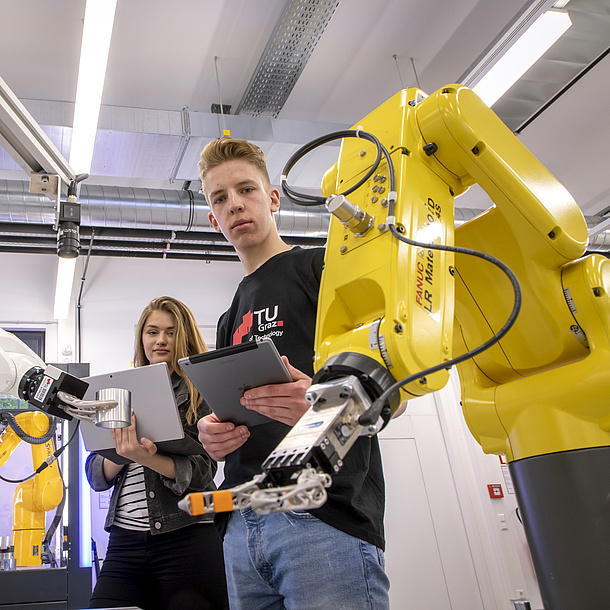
(164, 209)
(180, 210)
(143, 208)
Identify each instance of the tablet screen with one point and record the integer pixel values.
(223, 375)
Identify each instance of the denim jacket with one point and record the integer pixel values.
(193, 473)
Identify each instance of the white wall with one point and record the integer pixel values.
(117, 289)
(445, 544)
(114, 293)
(428, 558)
(28, 284)
(28, 288)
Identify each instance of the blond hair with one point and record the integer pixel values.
(230, 149)
(187, 342)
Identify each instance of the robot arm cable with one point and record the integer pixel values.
(312, 200)
(373, 413)
(54, 456)
(47, 555)
(9, 418)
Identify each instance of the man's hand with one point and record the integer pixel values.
(284, 402)
(220, 438)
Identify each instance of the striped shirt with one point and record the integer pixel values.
(132, 510)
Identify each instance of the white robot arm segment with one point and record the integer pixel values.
(16, 360)
(24, 375)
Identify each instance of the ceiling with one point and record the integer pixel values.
(168, 68)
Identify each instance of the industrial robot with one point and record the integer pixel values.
(53, 393)
(509, 299)
(34, 496)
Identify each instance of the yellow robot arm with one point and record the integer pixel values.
(540, 394)
(36, 496)
(379, 296)
(377, 287)
(522, 396)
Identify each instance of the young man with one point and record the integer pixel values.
(331, 557)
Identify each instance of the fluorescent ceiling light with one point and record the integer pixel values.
(63, 287)
(97, 32)
(522, 55)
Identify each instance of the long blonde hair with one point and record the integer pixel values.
(187, 342)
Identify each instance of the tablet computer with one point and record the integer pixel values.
(223, 375)
(153, 403)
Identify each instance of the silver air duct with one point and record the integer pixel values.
(143, 208)
(131, 221)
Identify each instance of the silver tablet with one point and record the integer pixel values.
(152, 401)
(223, 375)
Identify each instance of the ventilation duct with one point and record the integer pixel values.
(139, 222)
(126, 221)
(600, 243)
(143, 208)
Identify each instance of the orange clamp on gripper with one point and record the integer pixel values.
(223, 501)
(197, 504)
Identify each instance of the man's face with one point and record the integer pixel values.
(241, 203)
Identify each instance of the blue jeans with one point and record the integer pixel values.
(294, 561)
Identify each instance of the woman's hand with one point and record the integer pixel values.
(142, 452)
(128, 446)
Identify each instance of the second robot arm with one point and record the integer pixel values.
(35, 496)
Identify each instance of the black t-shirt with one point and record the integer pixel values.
(279, 300)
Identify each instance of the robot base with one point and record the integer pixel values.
(564, 499)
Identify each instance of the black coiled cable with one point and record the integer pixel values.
(372, 415)
(9, 418)
(311, 200)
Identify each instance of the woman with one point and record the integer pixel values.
(159, 556)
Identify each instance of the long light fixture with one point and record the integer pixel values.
(97, 32)
(95, 46)
(522, 55)
(63, 287)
